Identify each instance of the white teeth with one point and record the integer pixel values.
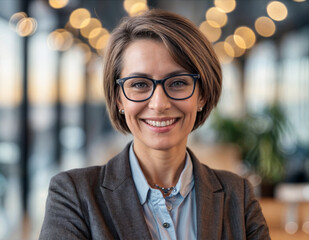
(160, 123)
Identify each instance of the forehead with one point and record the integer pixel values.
(149, 57)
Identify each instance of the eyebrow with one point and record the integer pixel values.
(140, 74)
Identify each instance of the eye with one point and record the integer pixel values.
(138, 84)
(177, 83)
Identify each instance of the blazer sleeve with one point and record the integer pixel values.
(256, 226)
(63, 214)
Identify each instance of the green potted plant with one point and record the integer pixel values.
(258, 138)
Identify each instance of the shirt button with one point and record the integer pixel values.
(174, 190)
(166, 225)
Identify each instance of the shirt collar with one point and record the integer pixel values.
(183, 186)
(139, 179)
(186, 180)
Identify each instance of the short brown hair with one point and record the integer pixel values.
(187, 46)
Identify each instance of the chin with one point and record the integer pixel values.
(164, 144)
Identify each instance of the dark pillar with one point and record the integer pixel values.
(24, 130)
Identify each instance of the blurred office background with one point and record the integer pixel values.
(53, 116)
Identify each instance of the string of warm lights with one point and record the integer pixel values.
(215, 19)
(81, 24)
(82, 32)
(243, 37)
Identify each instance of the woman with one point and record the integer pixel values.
(161, 81)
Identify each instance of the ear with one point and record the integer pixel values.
(118, 99)
(119, 102)
(200, 102)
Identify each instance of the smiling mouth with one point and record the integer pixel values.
(160, 123)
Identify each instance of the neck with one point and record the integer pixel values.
(161, 167)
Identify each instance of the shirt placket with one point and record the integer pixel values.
(165, 223)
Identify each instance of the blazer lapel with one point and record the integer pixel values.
(210, 201)
(121, 198)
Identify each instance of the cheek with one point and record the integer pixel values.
(189, 111)
(132, 113)
(190, 107)
(132, 109)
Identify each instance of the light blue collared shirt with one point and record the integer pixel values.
(173, 217)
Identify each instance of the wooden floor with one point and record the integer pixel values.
(286, 221)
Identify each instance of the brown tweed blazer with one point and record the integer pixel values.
(101, 202)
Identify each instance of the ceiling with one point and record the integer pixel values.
(111, 11)
(245, 13)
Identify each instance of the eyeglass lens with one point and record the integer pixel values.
(176, 87)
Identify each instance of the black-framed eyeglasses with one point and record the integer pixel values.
(177, 87)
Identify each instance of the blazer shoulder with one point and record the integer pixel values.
(81, 177)
(92, 171)
(110, 175)
(229, 181)
(227, 176)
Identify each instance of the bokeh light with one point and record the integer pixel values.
(277, 10)
(71, 29)
(305, 227)
(101, 44)
(15, 18)
(225, 5)
(128, 4)
(212, 33)
(291, 227)
(265, 26)
(220, 49)
(102, 41)
(95, 35)
(26, 27)
(229, 49)
(58, 3)
(237, 51)
(80, 18)
(92, 24)
(60, 40)
(215, 17)
(244, 37)
(138, 8)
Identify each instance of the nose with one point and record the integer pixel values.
(159, 101)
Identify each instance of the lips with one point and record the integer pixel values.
(160, 123)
